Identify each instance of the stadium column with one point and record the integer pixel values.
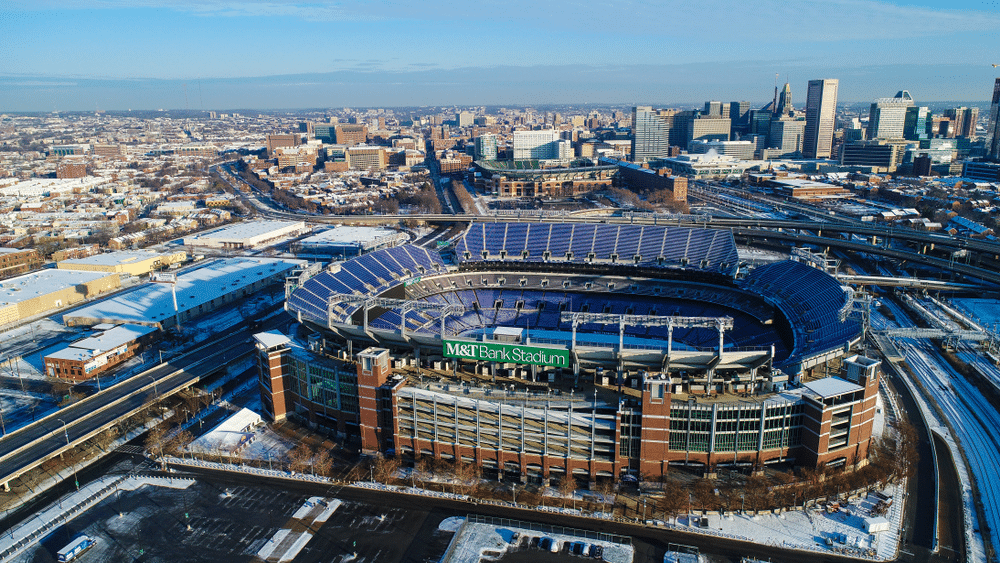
(373, 373)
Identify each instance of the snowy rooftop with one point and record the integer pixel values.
(272, 338)
(30, 286)
(342, 234)
(831, 387)
(42, 186)
(230, 434)
(114, 258)
(243, 231)
(152, 302)
(114, 337)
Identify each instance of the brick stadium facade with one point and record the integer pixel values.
(827, 422)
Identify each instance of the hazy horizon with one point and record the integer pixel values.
(80, 55)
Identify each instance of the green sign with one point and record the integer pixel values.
(408, 283)
(507, 353)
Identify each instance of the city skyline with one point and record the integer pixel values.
(178, 55)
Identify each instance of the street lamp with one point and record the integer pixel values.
(155, 392)
(65, 433)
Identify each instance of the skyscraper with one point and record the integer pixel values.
(993, 131)
(486, 147)
(783, 104)
(739, 115)
(917, 123)
(888, 115)
(651, 131)
(821, 112)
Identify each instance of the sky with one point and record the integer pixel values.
(268, 54)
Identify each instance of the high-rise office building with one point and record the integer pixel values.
(707, 128)
(465, 118)
(917, 123)
(888, 115)
(739, 115)
(713, 109)
(963, 121)
(486, 147)
(529, 145)
(993, 130)
(651, 132)
(821, 113)
(786, 136)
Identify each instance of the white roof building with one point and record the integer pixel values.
(247, 235)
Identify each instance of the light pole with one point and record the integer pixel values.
(156, 394)
(65, 433)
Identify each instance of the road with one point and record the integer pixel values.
(35, 443)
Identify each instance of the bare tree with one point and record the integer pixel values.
(300, 457)
(607, 490)
(322, 462)
(567, 488)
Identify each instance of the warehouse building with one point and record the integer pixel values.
(214, 284)
(40, 292)
(97, 354)
(348, 242)
(254, 234)
(130, 262)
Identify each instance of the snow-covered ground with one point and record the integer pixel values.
(477, 541)
(19, 408)
(810, 528)
(985, 311)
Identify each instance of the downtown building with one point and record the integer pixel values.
(887, 116)
(821, 114)
(993, 128)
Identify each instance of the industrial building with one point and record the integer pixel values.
(99, 353)
(129, 262)
(347, 242)
(254, 234)
(214, 284)
(36, 293)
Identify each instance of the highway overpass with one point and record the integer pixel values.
(34, 444)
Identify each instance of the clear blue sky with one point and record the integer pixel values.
(120, 54)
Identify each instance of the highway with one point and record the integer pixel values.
(32, 445)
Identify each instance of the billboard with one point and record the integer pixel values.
(507, 353)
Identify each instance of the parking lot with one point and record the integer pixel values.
(210, 522)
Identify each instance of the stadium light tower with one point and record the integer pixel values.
(172, 280)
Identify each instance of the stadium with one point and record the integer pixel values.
(593, 350)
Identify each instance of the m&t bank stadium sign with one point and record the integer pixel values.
(507, 353)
